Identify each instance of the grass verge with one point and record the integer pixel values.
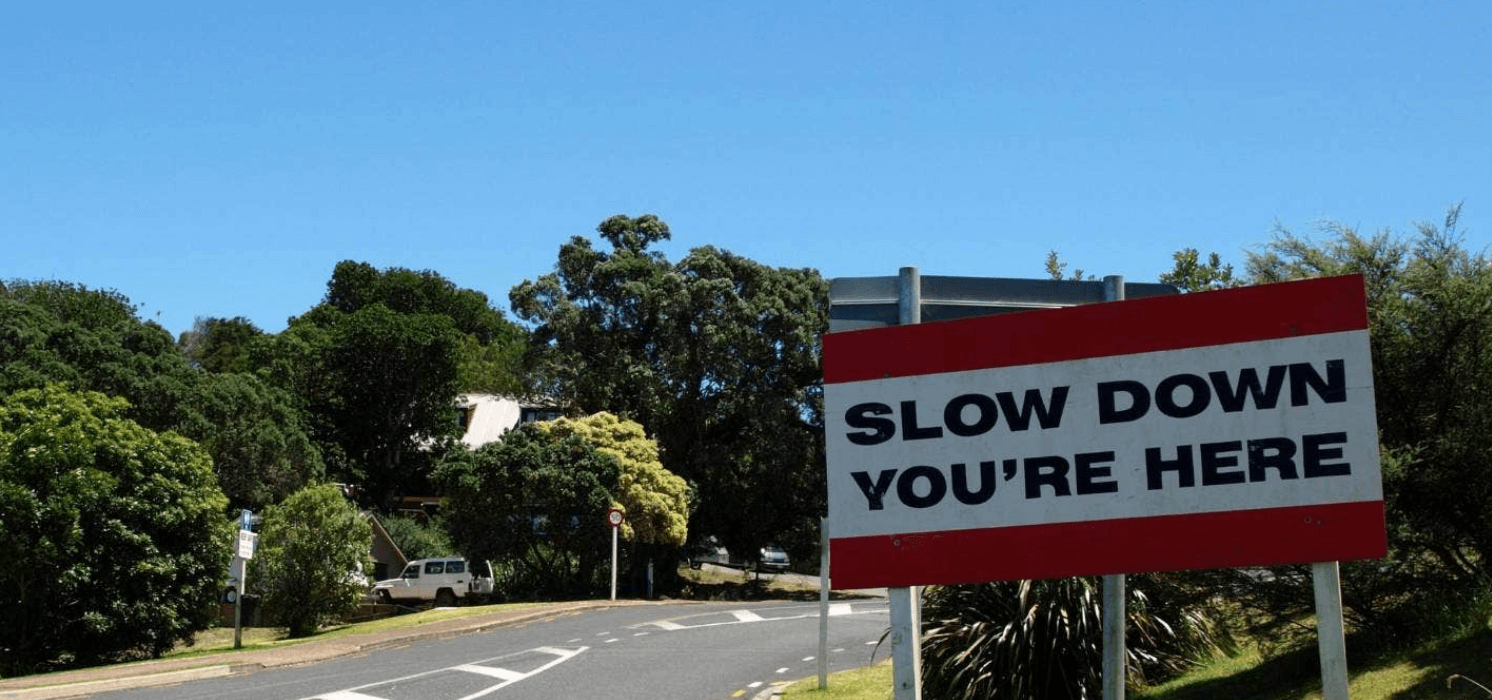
(220, 639)
(867, 683)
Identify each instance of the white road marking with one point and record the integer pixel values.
(782, 670)
(757, 684)
(808, 658)
(746, 616)
(506, 676)
(495, 672)
(845, 609)
(613, 639)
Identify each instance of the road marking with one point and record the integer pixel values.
(613, 639)
(782, 670)
(639, 634)
(841, 609)
(493, 671)
(757, 684)
(736, 617)
(505, 676)
(808, 658)
(746, 616)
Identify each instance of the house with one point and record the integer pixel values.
(483, 418)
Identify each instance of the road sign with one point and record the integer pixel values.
(246, 519)
(614, 517)
(1230, 428)
(246, 541)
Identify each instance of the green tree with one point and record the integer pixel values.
(534, 502)
(1191, 275)
(221, 344)
(418, 540)
(382, 364)
(1430, 327)
(311, 557)
(260, 447)
(717, 356)
(91, 340)
(112, 534)
(655, 500)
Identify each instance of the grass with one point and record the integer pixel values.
(1419, 674)
(1429, 672)
(867, 683)
(220, 639)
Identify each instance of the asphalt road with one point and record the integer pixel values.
(685, 650)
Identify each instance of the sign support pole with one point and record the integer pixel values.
(614, 519)
(238, 608)
(1114, 616)
(1331, 638)
(823, 603)
(906, 617)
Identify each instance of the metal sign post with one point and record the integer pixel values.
(614, 518)
(246, 541)
(823, 603)
(1114, 621)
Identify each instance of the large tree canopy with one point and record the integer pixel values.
(380, 362)
(112, 534)
(655, 500)
(1430, 327)
(534, 503)
(716, 355)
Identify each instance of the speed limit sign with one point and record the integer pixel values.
(614, 517)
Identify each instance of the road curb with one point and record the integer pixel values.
(86, 688)
(306, 653)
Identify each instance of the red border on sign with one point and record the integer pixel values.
(1264, 537)
(1266, 312)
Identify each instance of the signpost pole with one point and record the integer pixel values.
(906, 619)
(1331, 638)
(614, 519)
(1113, 584)
(238, 609)
(823, 603)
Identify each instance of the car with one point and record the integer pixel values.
(444, 580)
(772, 559)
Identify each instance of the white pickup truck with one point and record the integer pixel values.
(445, 581)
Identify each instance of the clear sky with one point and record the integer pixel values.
(218, 159)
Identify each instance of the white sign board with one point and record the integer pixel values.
(1228, 428)
(246, 542)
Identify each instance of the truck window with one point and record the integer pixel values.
(411, 571)
(434, 567)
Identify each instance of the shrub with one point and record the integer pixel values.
(311, 556)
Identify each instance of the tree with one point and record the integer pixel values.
(535, 503)
(655, 500)
(310, 559)
(256, 436)
(221, 344)
(91, 340)
(717, 356)
(112, 534)
(418, 540)
(1191, 275)
(1430, 327)
(383, 364)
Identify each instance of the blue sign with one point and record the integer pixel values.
(246, 520)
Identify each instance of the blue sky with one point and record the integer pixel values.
(218, 159)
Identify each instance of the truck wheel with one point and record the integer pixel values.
(444, 598)
(385, 597)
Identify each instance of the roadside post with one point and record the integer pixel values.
(823, 603)
(246, 541)
(614, 518)
(1165, 432)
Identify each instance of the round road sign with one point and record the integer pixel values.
(614, 517)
